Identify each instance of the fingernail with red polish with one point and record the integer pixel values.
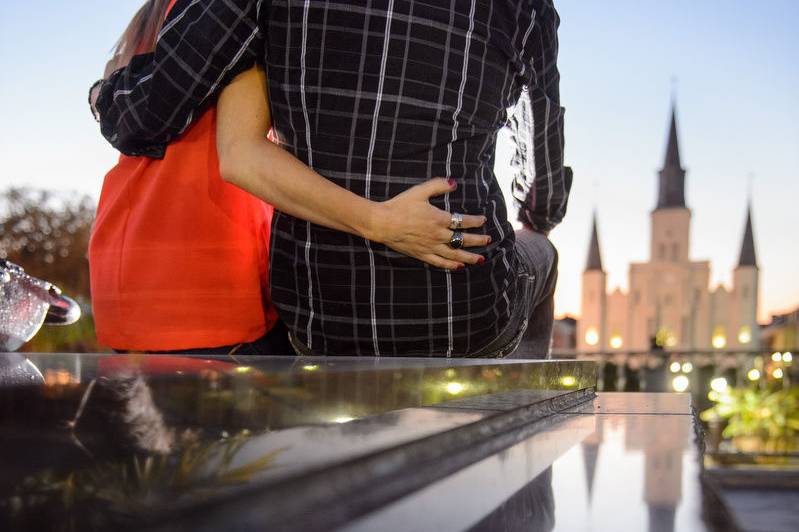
(489, 241)
(481, 260)
(452, 183)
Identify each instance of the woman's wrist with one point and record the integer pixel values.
(371, 225)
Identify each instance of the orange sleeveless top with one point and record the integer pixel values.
(178, 257)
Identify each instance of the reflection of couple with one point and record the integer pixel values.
(367, 106)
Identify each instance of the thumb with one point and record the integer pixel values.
(435, 187)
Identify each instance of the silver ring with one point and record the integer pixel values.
(457, 221)
(456, 242)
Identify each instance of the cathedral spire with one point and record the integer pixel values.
(673, 146)
(748, 257)
(671, 191)
(594, 257)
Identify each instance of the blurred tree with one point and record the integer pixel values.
(47, 233)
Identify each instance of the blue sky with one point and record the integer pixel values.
(737, 104)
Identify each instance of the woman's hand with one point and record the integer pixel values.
(409, 224)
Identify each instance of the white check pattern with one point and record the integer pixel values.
(377, 96)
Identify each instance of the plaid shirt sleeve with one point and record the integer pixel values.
(541, 183)
(201, 47)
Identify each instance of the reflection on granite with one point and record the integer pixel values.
(609, 472)
(269, 392)
(119, 441)
(464, 499)
(640, 471)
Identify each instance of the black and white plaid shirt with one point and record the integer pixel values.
(376, 96)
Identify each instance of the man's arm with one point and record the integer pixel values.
(202, 46)
(542, 183)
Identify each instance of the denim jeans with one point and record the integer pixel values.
(528, 334)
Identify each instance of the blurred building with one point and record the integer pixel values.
(564, 333)
(669, 301)
(782, 333)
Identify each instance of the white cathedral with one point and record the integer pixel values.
(669, 302)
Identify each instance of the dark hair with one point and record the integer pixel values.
(141, 33)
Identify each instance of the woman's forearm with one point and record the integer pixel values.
(274, 175)
(407, 223)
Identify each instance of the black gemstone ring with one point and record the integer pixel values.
(456, 242)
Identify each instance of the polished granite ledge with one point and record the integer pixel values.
(109, 441)
(188, 443)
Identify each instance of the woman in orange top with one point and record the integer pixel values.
(178, 257)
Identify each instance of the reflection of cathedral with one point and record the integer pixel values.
(663, 441)
(669, 297)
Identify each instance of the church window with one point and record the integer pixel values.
(662, 251)
(675, 252)
(745, 291)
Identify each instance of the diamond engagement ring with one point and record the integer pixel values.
(457, 221)
(456, 242)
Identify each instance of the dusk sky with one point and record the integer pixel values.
(737, 91)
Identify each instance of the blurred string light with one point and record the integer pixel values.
(343, 419)
(243, 369)
(776, 356)
(680, 383)
(753, 375)
(713, 395)
(687, 367)
(454, 387)
(787, 357)
(778, 373)
(719, 385)
(310, 367)
(675, 367)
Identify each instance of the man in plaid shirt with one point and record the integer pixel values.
(378, 96)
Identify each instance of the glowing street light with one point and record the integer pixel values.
(776, 356)
(687, 367)
(719, 341)
(787, 357)
(616, 342)
(778, 373)
(675, 367)
(592, 336)
(753, 375)
(744, 335)
(680, 383)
